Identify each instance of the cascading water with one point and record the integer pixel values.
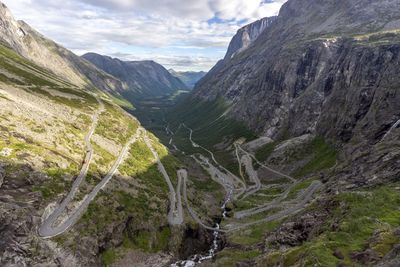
(196, 259)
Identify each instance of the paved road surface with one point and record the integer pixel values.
(48, 229)
(266, 167)
(241, 187)
(289, 208)
(189, 208)
(84, 169)
(175, 215)
(302, 202)
(247, 161)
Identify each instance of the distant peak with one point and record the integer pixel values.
(246, 35)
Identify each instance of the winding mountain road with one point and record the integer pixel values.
(43, 230)
(300, 205)
(189, 208)
(48, 228)
(239, 184)
(175, 215)
(229, 183)
(266, 167)
(247, 161)
(297, 205)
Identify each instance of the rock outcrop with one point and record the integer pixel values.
(247, 35)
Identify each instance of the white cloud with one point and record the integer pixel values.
(170, 29)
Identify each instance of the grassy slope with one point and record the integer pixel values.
(207, 120)
(363, 220)
(141, 194)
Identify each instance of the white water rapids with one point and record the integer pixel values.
(196, 259)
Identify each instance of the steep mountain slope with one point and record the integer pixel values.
(144, 78)
(320, 87)
(32, 45)
(244, 37)
(82, 183)
(189, 78)
(247, 35)
(322, 68)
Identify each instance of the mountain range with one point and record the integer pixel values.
(137, 79)
(286, 153)
(143, 78)
(329, 74)
(190, 78)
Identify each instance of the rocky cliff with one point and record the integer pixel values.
(247, 35)
(322, 67)
(144, 78)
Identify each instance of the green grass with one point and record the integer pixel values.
(324, 157)
(149, 241)
(206, 186)
(109, 256)
(56, 184)
(263, 153)
(229, 257)
(31, 73)
(207, 120)
(122, 102)
(257, 199)
(105, 158)
(252, 235)
(299, 187)
(358, 217)
(37, 77)
(116, 125)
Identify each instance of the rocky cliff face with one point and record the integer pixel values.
(247, 35)
(239, 43)
(144, 78)
(323, 67)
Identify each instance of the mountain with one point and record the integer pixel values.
(190, 78)
(80, 179)
(285, 154)
(44, 52)
(319, 87)
(247, 35)
(320, 68)
(144, 78)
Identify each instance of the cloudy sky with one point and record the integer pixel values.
(180, 34)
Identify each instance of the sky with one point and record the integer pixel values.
(179, 34)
